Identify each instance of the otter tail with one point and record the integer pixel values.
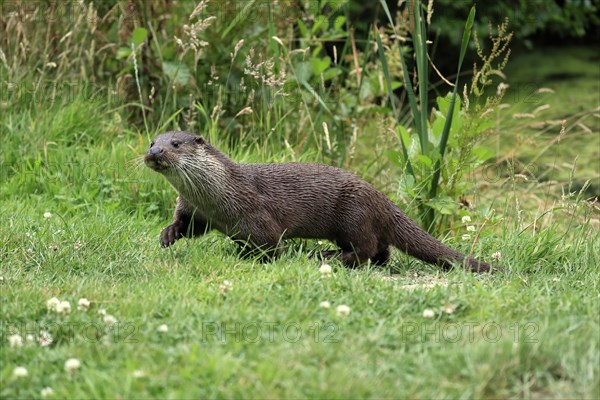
(415, 241)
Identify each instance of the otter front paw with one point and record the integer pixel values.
(170, 235)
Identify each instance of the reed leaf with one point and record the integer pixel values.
(388, 80)
(412, 100)
(420, 48)
(446, 131)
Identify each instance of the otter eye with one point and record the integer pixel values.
(175, 143)
(152, 144)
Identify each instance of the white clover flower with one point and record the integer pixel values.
(497, 256)
(325, 304)
(225, 286)
(52, 304)
(428, 313)
(138, 373)
(109, 320)
(325, 270)
(64, 307)
(466, 237)
(46, 392)
(556, 279)
(102, 311)
(45, 339)
(163, 328)
(448, 308)
(20, 372)
(471, 228)
(342, 310)
(72, 364)
(47, 215)
(29, 338)
(15, 340)
(83, 304)
(465, 219)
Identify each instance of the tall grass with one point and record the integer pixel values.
(420, 113)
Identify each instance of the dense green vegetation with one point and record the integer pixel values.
(81, 95)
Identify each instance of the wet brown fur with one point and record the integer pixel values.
(262, 204)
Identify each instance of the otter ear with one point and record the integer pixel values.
(199, 140)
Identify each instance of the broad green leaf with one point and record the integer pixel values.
(443, 204)
(303, 71)
(365, 90)
(331, 73)
(414, 147)
(424, 160)
(123, 52)
(303, 29)
(177, 72)
(321, 23)
(339, 22)
(437, 127)
(394, 157)
(444, 104)
(320, 64)
(139, 35)
(406, 185)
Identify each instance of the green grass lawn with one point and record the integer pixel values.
(79, 220)
(529, 332)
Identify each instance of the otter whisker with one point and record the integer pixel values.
(189, 183)
(134, 166)
(137, 161)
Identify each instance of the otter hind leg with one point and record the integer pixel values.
(382, 257)
(350, 258)
(358, 252)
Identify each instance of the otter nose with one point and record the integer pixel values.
(155, 150)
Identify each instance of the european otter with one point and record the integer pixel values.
(262, 204)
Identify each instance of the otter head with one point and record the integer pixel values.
(169, 149)
(194, 168)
